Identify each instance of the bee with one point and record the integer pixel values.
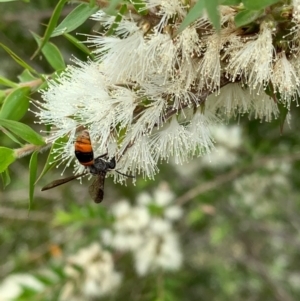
(98, 167)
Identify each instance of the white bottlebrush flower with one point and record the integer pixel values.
(88, 101)
(162, 198)
(285, 79)
(139, 157)
(129, 218)
(209, 69)
(159, 57)
(264, 107)
(120, 57)
(200, 136)
(96, 278)
(127, 230)
(229, 136)
(173, 140)
(160, 250)
(253, 62)
(232, 100)
(146, 230)
(167, 9)
(227, 140)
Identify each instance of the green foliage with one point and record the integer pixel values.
(51, 53)
(7, 156)
(247, 16)
(23, 131)
(33, 165)
(18, 60)
(195, 12)
(51, 25)
(74, 19)
(258, 4)
(16, 104)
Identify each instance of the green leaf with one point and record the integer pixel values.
(195, 12)
(246, 16)
(2, 96)
(11, 136)
(74, 19)
(78, 44)
(258, 4)
(51, 25)
(26, 76)
(7, 156)
(6, 82)
(5, 178)
(32, 176)
(118, 19)
(17, 59)
(111, 10)
(23, 131)
(8, 0)
(51, 53)
(213, 12)
(51, 157)
(230, 2)
(16, 104)
(140, 6)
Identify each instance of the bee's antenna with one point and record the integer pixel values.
(123, 174)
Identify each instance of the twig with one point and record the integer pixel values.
(230, 176)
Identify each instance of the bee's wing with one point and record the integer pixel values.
(61, 181)
(96, 190)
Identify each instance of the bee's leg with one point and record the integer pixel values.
(101, 156)
(124, 174)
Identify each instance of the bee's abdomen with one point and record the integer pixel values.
(83, 149)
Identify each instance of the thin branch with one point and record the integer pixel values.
(230, 176)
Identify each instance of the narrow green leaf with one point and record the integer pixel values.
(8, 0)
(32, 176)
(246, 16)
(11, 136)
(140, 6)
(8, 83)
(26, 76)
(213, 12)
(23, 131)
(195, 12)
(78, 44)
(2, 96)
(51, 25)
(7, 156)
(258, 4)
(230, 2)
(118, 19)
(51, 53)
(111, 9)
(51, 157)
(17, 59)
(16, 104)
(74, 19)
(5, 178)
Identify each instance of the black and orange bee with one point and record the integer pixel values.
(97, 167)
